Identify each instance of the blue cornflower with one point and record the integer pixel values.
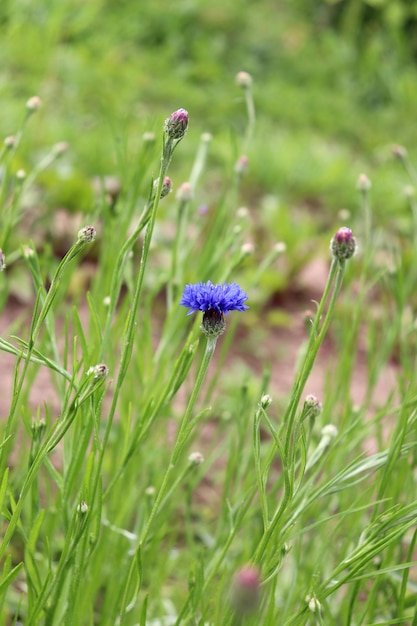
(215, 301)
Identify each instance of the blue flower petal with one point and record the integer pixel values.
(220, 297)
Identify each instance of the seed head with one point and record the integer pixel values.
(176, 124)
(343, 244)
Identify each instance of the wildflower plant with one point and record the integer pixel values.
(165, 482)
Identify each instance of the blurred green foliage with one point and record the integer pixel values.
(334, 85)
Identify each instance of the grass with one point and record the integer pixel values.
(164, 480)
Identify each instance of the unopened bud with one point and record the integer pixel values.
(242, 165)
(266, 400)
(243, 79)
(312, 405)
(313, 604)
(98, 372)
(87, 234)
(245, 592)
(176, 124)
(363, 183)
(2, 261)
(10, 142)
(280, 247)
(20, 175)
(329, 431)
(82, 508)
(247, 248)
(166, 186)
(196, 458)
(33, 104)
(343, 244)
(185, 193)
(399, 152)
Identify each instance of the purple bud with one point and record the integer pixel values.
(176, 124)
(343, 244)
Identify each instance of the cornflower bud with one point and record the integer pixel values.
(243, 79)
(343, 244)
(196, 458)
(313, 405)
(247, 248)
(10, 142)
(33, 104)
(176, 124)
(166, 186)
(245, 593)
(185, 193)
(242, 165)
(266, 400)
(87, 234)
(363, 183)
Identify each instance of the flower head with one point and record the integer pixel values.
(222, 298)
(215, 301)
(246, 590)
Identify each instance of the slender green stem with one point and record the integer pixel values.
(182, 434)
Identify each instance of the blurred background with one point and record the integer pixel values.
(335, 88)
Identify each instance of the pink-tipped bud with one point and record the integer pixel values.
(185, 193)
(312, 406)
(86, 234)
(196, 458)
(363, 183)
(166, 186)
(243, 79)
(343, 244)
(176, 124)
(33, 104)
(245, 593)
(242, 165)
(10, 142)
